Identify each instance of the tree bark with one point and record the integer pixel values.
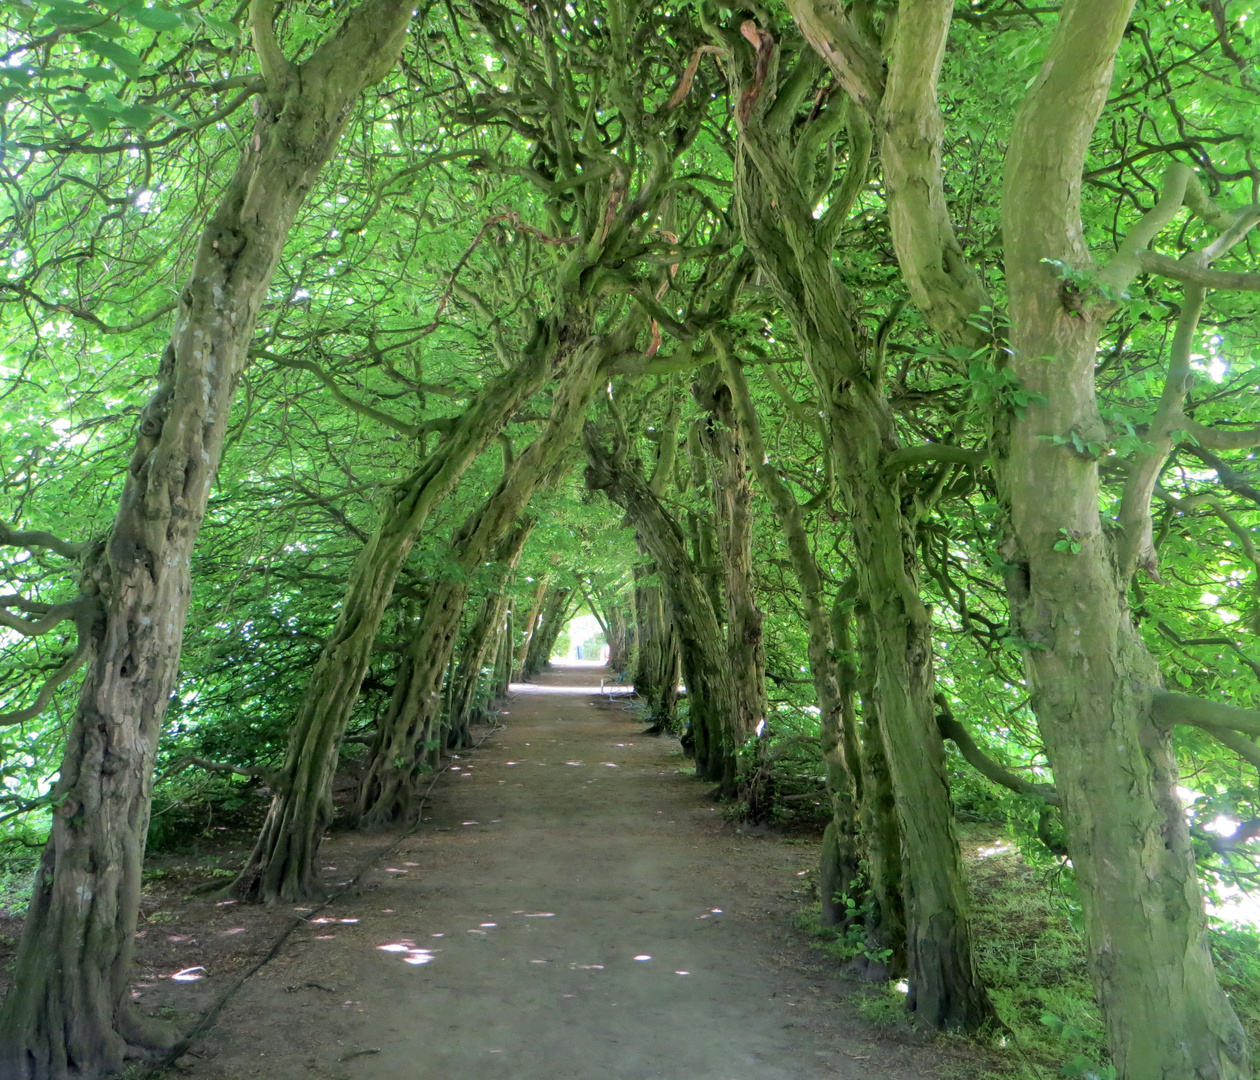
(530, 626)
(725, 439)
(550, 622)
(69, 1012)
(1091, 677)
(791, 247)
(482, 645)
(282, 866)
(656, 665)
(701, 642)
(413, 718)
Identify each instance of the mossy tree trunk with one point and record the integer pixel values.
(69, 1010)
(775, 182)
(550, 622)
(618, 637)
(478, 661)
(414, 715)
(503, 662)
(830, 661)
(656, 661)
(282, 866)
(529, 626)
(701, 642)
(725, 440)
(1093, 682)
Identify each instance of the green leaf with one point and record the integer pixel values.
(137, 116)
(97, 117)
(65, 16)
(156, 17)
(96, 73)
(124, 59)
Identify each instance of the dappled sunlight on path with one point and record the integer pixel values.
(571, 908)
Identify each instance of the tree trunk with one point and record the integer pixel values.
(550, 622)
(69, 1012)
(482, 646)
(386, 793)
(881, 829)
(777, 223)
(834, 673)
(529, 626)
(701, 642)
(282, 866)
(724, 437)
(503, 663)
(1092, 679)
(618, 638)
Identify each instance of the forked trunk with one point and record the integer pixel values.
(69, 1012)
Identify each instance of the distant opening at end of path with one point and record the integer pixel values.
(581, 678)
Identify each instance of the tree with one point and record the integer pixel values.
(74, 1013)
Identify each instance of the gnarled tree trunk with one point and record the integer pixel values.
(69, 1011)
(725, 439)
(386, 793)
(832, 669)
(1092, 679)
(282, 865)
(791, 247)
(701, 642)
(551, 621)
(482, 644)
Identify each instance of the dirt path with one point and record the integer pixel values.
(575, 909)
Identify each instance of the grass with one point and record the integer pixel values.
(1033, 961)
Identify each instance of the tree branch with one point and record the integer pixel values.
(1168, 708)
(900, 460)
(951, 729)
(35, 538)
(20, 716)
(268, 776)
(1187, 273)
(272, 62)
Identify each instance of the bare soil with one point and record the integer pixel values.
(572, 907)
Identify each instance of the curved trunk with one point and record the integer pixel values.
(282, 866)
(387, 792)
(69, 1010)
(1091, 677)
(701, 642)
(860, 432)
(409, 726)
(550, 622)
(484, 639)
(945, 988)
(529, 626)
(834, 674)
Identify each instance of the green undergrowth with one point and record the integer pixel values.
(1032, 959)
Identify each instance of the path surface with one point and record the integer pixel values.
(575, 909)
